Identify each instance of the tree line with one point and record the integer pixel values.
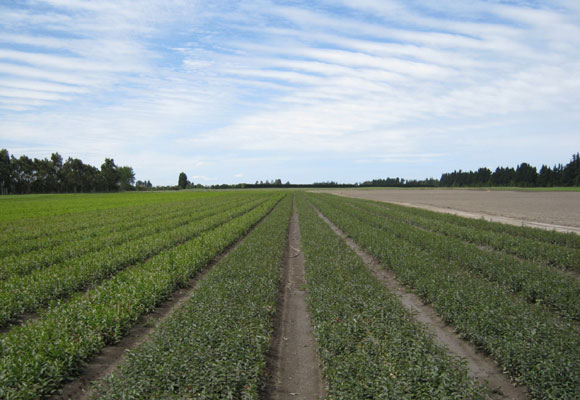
(24, 175)
(524, 175)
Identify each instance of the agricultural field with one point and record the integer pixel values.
(280, 294)
(552, 209)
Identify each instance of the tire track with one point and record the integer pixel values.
(294, 364)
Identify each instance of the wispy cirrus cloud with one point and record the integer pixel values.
(329, 83)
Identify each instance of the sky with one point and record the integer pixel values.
(302, 91)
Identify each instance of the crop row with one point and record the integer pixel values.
(124, 232)
(26, 209)
(535, 283)
(215, 346)
(37, 357)
(533, 347)
(370, 345)
(88, 226)
(22, 294)
(531, 249)
(32, 234)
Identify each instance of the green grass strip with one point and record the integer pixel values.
(37, 357)
(533, 347)
(370, 345)
(215, 346)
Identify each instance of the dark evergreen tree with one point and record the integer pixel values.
(503, 176)
(182, 181)
(526, 175)
(545, 177)
(5, 172)
(571, 172)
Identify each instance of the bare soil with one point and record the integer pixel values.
(479, 365)
(294, 363)
(558, 211)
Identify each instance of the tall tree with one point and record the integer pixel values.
(483, 176)
(545, 177)
(503, 176)
(182, 182)
(127, 177)
(73, 175)
(110, 175)
(56, 182)
(23, 174)
(571, 172)
(42, 176)
(5, 172)
(526, 175)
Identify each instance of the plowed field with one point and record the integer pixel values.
(551, 210)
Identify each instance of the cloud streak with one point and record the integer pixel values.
(337, 82)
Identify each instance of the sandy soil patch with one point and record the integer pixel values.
(548, 210)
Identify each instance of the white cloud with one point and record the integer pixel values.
(186, 80)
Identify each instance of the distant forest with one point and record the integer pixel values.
(523, 176)
(24, 175)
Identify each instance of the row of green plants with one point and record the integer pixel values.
(536, 283)
(86, 227)
(370, 346)
(535, 348)
(31, 234)
(215, 345)
(127, 230)
(46, 207)
(29, 293)
(548, 253)
(37, 357)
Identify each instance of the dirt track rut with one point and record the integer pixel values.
(296, 368)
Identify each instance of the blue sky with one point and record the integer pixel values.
(304, 91)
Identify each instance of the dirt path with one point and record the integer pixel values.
(545, 210)
(294, 361)
(111, 356)
(479, 365)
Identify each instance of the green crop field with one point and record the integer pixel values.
(79, 273)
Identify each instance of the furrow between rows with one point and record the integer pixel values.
(38, 357)
(479, 365)
(111, 357)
